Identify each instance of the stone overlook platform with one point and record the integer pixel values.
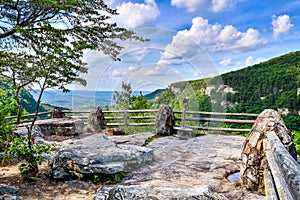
(184, 169)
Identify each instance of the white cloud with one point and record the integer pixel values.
(251, 61)
(132, 15)
(226, 61)
(186, 44)
(281, 25)
(213, 5)
(190, 5)
(122, 71)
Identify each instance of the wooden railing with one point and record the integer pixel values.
(282, 181)
(196, 120)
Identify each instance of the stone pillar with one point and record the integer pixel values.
(57, 113)
(254, 160)
(96, 120)
(165, 120)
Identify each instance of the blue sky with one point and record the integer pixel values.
(194, 39)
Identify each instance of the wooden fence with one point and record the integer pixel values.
(197, 120)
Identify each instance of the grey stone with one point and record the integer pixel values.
(139, 193)
(55, 126)
(254, 160)
(59, 126)
(96, 120)
(187, 169)
(8, 189)
(10, 197)
(165, 121)
(96, 154)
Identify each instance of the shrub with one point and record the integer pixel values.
(296, 136)
(32, 153)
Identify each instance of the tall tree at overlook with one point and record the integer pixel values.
(42, 42)
(52, 35)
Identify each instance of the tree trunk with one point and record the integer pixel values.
(20, 108)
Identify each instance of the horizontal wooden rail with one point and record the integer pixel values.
(219, 129)
(219, 114)
(224, 120)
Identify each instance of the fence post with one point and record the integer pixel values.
(125, 118)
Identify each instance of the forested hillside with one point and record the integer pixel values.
(7, 98)
(271, 84)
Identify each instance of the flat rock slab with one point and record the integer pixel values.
(96, 154)
(54, 126)
(135, 139)
(59, 126)
(184, 168)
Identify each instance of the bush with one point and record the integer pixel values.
(296, 137)
(32, 153)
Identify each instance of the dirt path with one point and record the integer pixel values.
(45, 188)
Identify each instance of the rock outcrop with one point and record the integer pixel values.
(95, 155)
(54, 126)
(254, 161)
(140, 193)
(59, 126)
(185, 169)
(8, 192)
(96, 120)
(165, 121)
(57, 113)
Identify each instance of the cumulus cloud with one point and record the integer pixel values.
(251, 61)
(213, 5)
(191, 45)
(132, 15)
(281, 25)
(226, 61)
(122, 71)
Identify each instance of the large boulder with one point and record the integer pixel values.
(165, 121)
(96, 120)
(96, 154)
(54, 126)
(59, 126)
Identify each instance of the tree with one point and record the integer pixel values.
(43, 41)
(123, 99)
(52, 35)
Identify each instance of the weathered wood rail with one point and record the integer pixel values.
(202, 121)
(283, 180)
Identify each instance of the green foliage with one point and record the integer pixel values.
(296, 137)
(6, 108)
(151, 138)
(32, 153)
(165, 98)
(123, 99)
(106, 178)
(292, 121)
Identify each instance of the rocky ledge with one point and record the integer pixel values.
(96, 154)
(185, 169)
